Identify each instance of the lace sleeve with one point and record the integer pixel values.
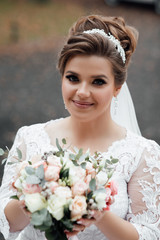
(5, 189)
(144, 194)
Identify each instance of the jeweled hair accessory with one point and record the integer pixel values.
(115, 41)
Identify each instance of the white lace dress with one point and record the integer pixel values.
(137, 174)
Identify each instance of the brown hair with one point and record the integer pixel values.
(79, 43)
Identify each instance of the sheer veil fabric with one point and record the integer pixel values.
(123, 115)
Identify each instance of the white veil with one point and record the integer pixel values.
(125, 113)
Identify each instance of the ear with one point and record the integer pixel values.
(117, 90)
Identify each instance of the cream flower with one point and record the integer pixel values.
(35, 202)
(78, 207)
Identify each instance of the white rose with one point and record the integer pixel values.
(54, 161)
(101, 178)
(35, 202)
(56, 206)
(64, 192)
(78, 207)
(18, 184)
(100, 199)
(76, 174)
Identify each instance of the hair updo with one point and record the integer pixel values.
(79, 43)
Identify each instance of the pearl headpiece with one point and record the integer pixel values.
(115, 41)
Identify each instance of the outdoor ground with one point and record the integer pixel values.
(31, 36)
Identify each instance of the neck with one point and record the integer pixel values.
(99, 127)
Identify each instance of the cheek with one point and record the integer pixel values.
(104, 98)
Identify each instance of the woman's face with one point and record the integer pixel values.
(88, 87)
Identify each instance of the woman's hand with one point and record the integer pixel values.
(17, 215)
(83, 223)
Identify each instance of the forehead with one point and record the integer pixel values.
(89, 64)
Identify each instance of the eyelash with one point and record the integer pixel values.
(99, 82)
(74, 79)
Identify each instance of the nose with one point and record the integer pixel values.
(83, 90)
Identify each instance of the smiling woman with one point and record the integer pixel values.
(88, 87)
(93, 65)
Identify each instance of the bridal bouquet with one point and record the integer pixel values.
(61, 187)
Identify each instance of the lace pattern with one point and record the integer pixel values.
(137, 172)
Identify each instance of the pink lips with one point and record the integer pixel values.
(82, 104)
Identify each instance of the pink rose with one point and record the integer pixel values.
(113, 186)
(108, 194)
(52, 173)
(79, 188)
(37, 164)
(31, 188)
(78, 207)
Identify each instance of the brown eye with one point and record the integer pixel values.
(99, 82)
(72, 78)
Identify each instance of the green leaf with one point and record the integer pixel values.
(89, 195)
(11, 163)
(67, 223)
(19, 153)
(14, 197)
(114, 160)
(72, 156)
(40, 172)
(32, 179)
(75, 163)
(42, 219)
(58, 146)
(4, 160)
(1, 152)
(64, 141)
(92, 184)
(83, 165)
(30, 163)
(30, 170)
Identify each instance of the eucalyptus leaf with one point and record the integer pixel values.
(102, 190)
(64, 141)
(42, 219)
(75, 163)
(67, 223)
(19, 153)
(58, 146)
(108, 161)
(114, 160)
(4, 160)
(92, 184)
(14, 197)
(89, 195)
(32, 179)
(72, 156)
(40, 172)
(1, 152)
(30, 170)
(83, 165)
(10, 163)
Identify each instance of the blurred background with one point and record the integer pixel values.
(32, 33)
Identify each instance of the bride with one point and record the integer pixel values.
(93, 64)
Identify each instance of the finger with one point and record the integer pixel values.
(71, 234)
(86, 222)
(78, 227)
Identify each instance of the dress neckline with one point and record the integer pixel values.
(111, 146)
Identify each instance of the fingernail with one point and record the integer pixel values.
(79, 222)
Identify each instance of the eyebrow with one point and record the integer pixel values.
(93, 76)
